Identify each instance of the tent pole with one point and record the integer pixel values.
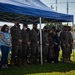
(40, 41)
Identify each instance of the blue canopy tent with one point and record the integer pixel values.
(33, 8)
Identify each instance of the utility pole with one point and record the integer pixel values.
(67, 6)
(57, 22)
(56, 5)
(63, 3)
(67, 10)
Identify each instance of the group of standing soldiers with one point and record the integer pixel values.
(26, 44)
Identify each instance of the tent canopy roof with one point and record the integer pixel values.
(31, 8)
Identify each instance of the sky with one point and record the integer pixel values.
(62, 6)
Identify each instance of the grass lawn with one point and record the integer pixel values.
(46, 69)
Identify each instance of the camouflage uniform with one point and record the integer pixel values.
(70, 43)
(65, 44)
(51, 51)
(16, 45)
(45, 43)
(25, 37)
(33, 42)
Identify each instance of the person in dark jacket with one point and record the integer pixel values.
(57, 45)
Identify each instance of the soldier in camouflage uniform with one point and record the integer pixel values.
(16, 44)
(34, 43)
(51, 51)
(70, 42)
(25, 43)
(45, 44)
(65, 44)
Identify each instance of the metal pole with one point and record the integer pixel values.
(67, 6)
(67, 10)
(41, 42)
(56, 5)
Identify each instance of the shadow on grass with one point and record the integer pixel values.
(33, 69)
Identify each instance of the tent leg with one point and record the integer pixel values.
(40, 41)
